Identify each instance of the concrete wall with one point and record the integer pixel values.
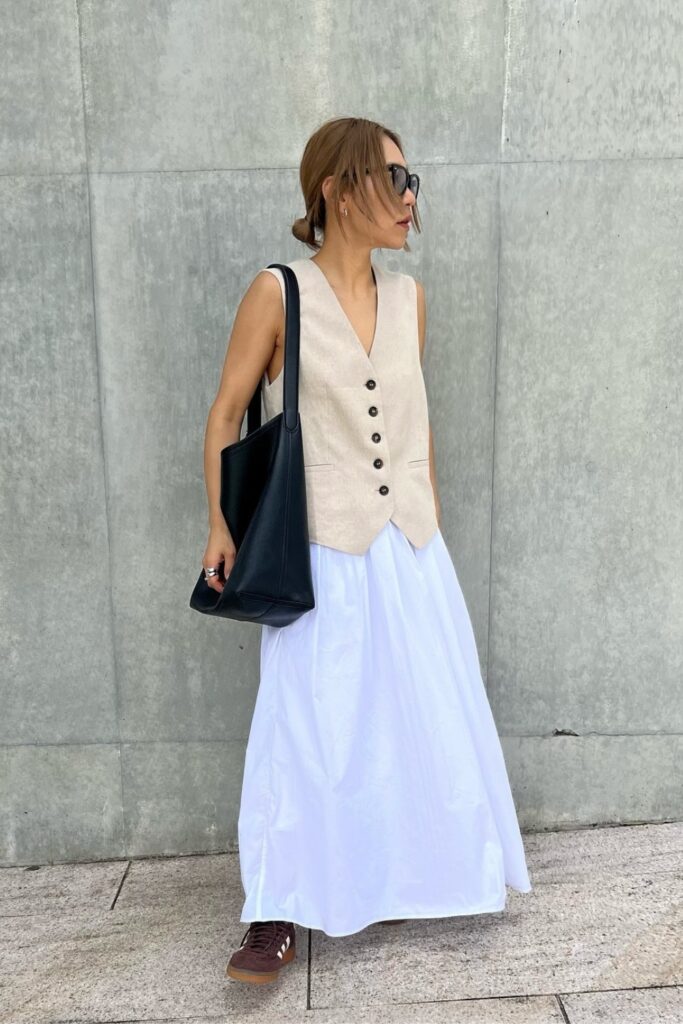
(149, 156)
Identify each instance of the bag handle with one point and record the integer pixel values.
(290, 382)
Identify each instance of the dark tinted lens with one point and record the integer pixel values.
(399, 177)
(402, 180)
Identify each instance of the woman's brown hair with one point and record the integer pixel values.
(347, 148)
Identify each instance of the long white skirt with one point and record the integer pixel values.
(374, 781)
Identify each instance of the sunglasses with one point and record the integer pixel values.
(402, 179)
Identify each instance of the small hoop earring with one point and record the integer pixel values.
(345, 211)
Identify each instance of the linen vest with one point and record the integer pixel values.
(364, 418)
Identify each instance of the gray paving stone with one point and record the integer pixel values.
(53, 889)
(591, 853)
(635, 1006)
(169, 881)
(127, 964)
(516, 1010)
(611, 922)
(591, 932)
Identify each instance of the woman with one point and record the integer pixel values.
(374, 784)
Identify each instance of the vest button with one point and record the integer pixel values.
(370, 383)
(373, 410)
(384, 489)
(376, 437)
(378, 463)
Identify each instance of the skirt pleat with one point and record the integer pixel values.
(374, 781)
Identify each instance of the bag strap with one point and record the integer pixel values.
(290, 382)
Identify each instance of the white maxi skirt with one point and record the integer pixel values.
(374, 782)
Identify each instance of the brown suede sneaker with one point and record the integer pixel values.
(265, 947)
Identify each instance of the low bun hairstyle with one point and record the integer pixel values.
(346, 148)
(304, 231)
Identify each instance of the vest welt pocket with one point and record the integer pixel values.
(418, 450)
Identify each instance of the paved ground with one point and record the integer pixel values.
(599, 939)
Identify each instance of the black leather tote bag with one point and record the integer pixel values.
(263, 500)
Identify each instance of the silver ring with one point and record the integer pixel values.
(211, 571)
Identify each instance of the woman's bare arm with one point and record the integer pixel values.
(255, 344)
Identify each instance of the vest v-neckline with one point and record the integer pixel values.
(378, 285)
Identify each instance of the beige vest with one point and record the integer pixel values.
(364, 419)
